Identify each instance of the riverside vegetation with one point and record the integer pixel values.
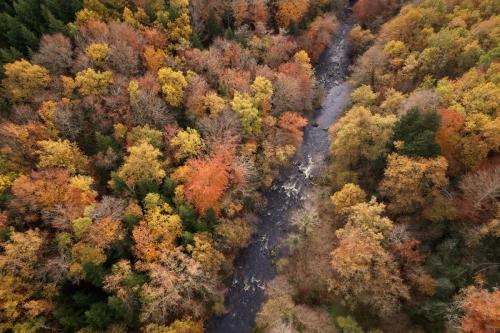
(137, 138)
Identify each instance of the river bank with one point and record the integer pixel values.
(255, 265)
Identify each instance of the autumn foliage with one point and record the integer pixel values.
(136, 137)
(367, 11)
(207, 180)
(480, 308)
(134, 140)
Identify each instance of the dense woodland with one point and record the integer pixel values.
(136, 137)
(407, 237)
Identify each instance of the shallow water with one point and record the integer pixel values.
(254, 265)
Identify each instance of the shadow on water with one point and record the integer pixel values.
(254, 265)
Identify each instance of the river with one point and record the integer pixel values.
(254, 266)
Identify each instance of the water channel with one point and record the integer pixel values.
(254, 266)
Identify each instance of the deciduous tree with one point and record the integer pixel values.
(481, 310)
(55, 53)
(364, 96)
(177, 285)
(22, 253)
(318, 36)
(360, 137)
(481, 190)
(187, 143)
(367, 10)
(365, 273)
(172, 84)
(448, 136)
(367, 216)
(141, 165)
(154, 58)
(350, 195)
(90, 82)
(22, 79)
(263, 91)
(53, 195)
(291, 11)
(214, 104)
(240, 11)
(156, 234)
(359, 40)
(206, 254)
(62, 154)
(98, 53)
(293, 125)
(409, 182)
(244, 105)
(478, 137)
(178, 326)
(207, 180)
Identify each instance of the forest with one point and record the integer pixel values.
(139, 140)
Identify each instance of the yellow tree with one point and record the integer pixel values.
(409, 182)
(157, 233)
(187, 143)
(396, 53)
(367, 216)
(291, 11)
(478, 136)
(22, 305)
(83, 253)
(484, 98)
(103, 9)
(214, 104)
(21, 253)
(173, 83)
(178, 326)
(24, 301)
(364, 96)
(147, 134)
(47, 112)
(358, 139)
(244, 105)
(179, 30)
(204, 252)
(90, 82)
(263, 91)
(154, 58)
(98, 53)
(303, 60)
(22, 78)
(392, 102)
(62, 154)
(350, 195)
(365, 273)
(142, 164)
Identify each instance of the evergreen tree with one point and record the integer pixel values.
(23, 22)
(417, 132)
(214, 28)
